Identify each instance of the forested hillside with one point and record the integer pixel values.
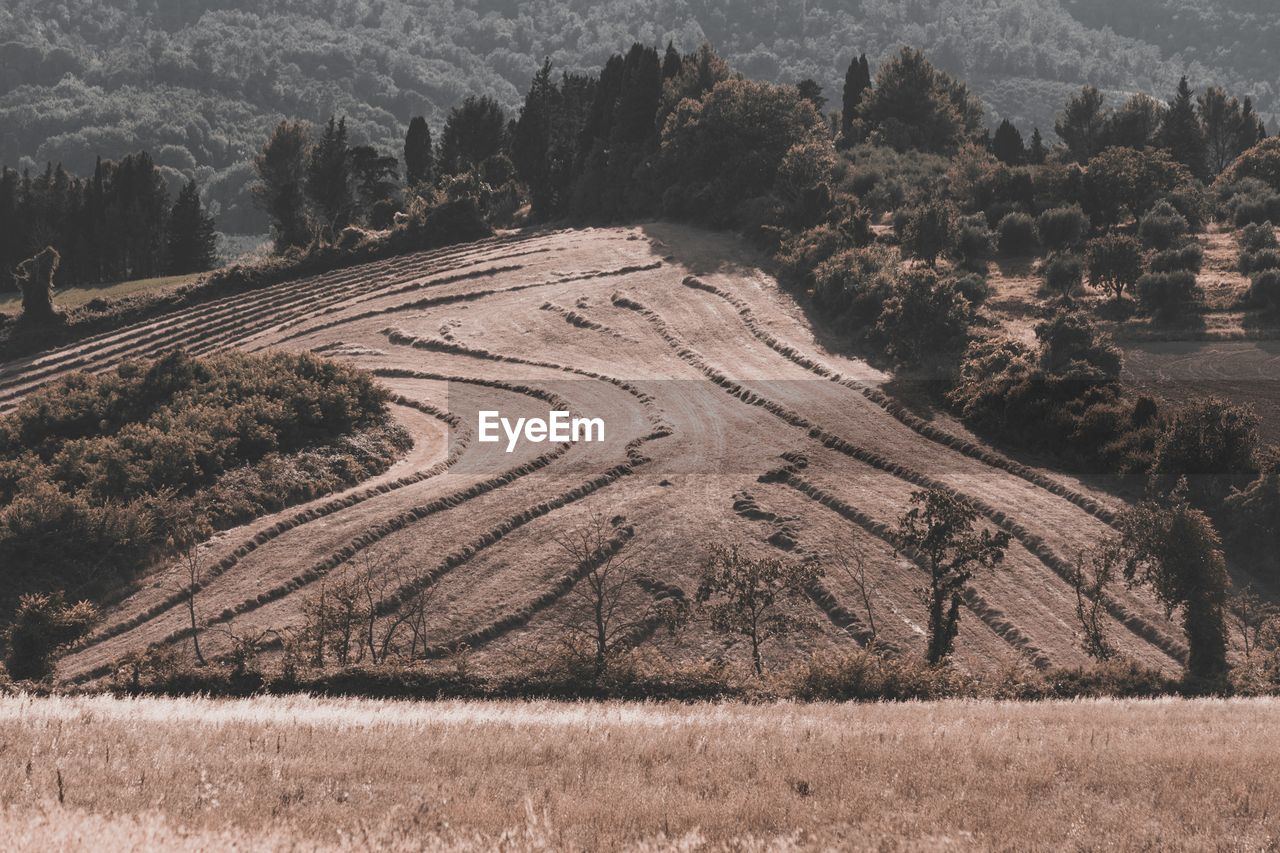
(199, 83)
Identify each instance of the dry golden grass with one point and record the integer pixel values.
(274, 773)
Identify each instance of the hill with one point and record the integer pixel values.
(728, 421)
(200, 84)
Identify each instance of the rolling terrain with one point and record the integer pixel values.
(727, 421)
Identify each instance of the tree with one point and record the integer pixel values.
(1136, 124)
(1091, 578)
(280, 190)
(915, 106)
(1037, 153)
(857, 81)
(853, 565)
(1121, 180)
(474, 131)
(812, 92)
(1182, 133)
(924, 319)
(1257, 620)
(1223, 123)
(329, 182)
(531, 141)
(1174, 549)
(193, 243)
(34, 277)
(186, 531)
(672, 62)
(1210, 445)
(929, 231)
(43, 625)
(1081, 124)
(375, 176)
(608, 603)
(1008, 146)
(419, 166)
(745, 596)
(1114, 263)
(939, 528)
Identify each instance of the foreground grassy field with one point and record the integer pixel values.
(102, 773)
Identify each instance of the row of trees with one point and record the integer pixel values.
(118, 224)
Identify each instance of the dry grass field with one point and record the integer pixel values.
(706, 373)
(299, 773)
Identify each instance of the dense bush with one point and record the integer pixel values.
(853, 285)
(1064, 273)
(1063, 228)
(1259, 261)
(924, 321)
(1162, 228)
(1062, 397)
(1188, 258)
(96, 469)
(929, 231)
(1168, 295)
(42, 626)
(1264, 291)
(1211, 443)
(1255, 238)
(1018, 234)
(974, 242)
(973, 287)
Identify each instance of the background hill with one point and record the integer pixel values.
(199, 83)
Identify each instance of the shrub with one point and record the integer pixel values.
(863, 676)
(42, 626)
(1017, 234)
(1167, 295)
(1064, 273)
(973, 287)
(1259, 261)
(924, 319)
(929, 231)
(854, 284)
(974, 242)
(1114, 263)
(1255, 238)
(1162, 228)
(1262, 162)
(1189, 258)
(1063, 228)
(1264, 291)
(1212, 443)
(91, 466)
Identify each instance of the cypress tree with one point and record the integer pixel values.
(1182, 134)
(418, 167)
(812, 92)
(1007, 145)
(531, 141)
(475, 131)
(857, 80)
(671, 62)
(193, 244)
(375, 177)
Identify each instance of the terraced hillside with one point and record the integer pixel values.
(726, 421)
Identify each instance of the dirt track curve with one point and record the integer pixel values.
(726, 421)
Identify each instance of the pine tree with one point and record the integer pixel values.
(281, 168)
(1007, 145)
(812, 92)
(531, 141)
(1181, 133)
(419, 170)
(1082, 124)
(1224, 125)
(1037, 153)
(193, 244)
(329, 184)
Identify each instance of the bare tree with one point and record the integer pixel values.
(745, 596)
(187, 530)
(608, 602)
(1257, 620)
(1091, 577)
(853, 565)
